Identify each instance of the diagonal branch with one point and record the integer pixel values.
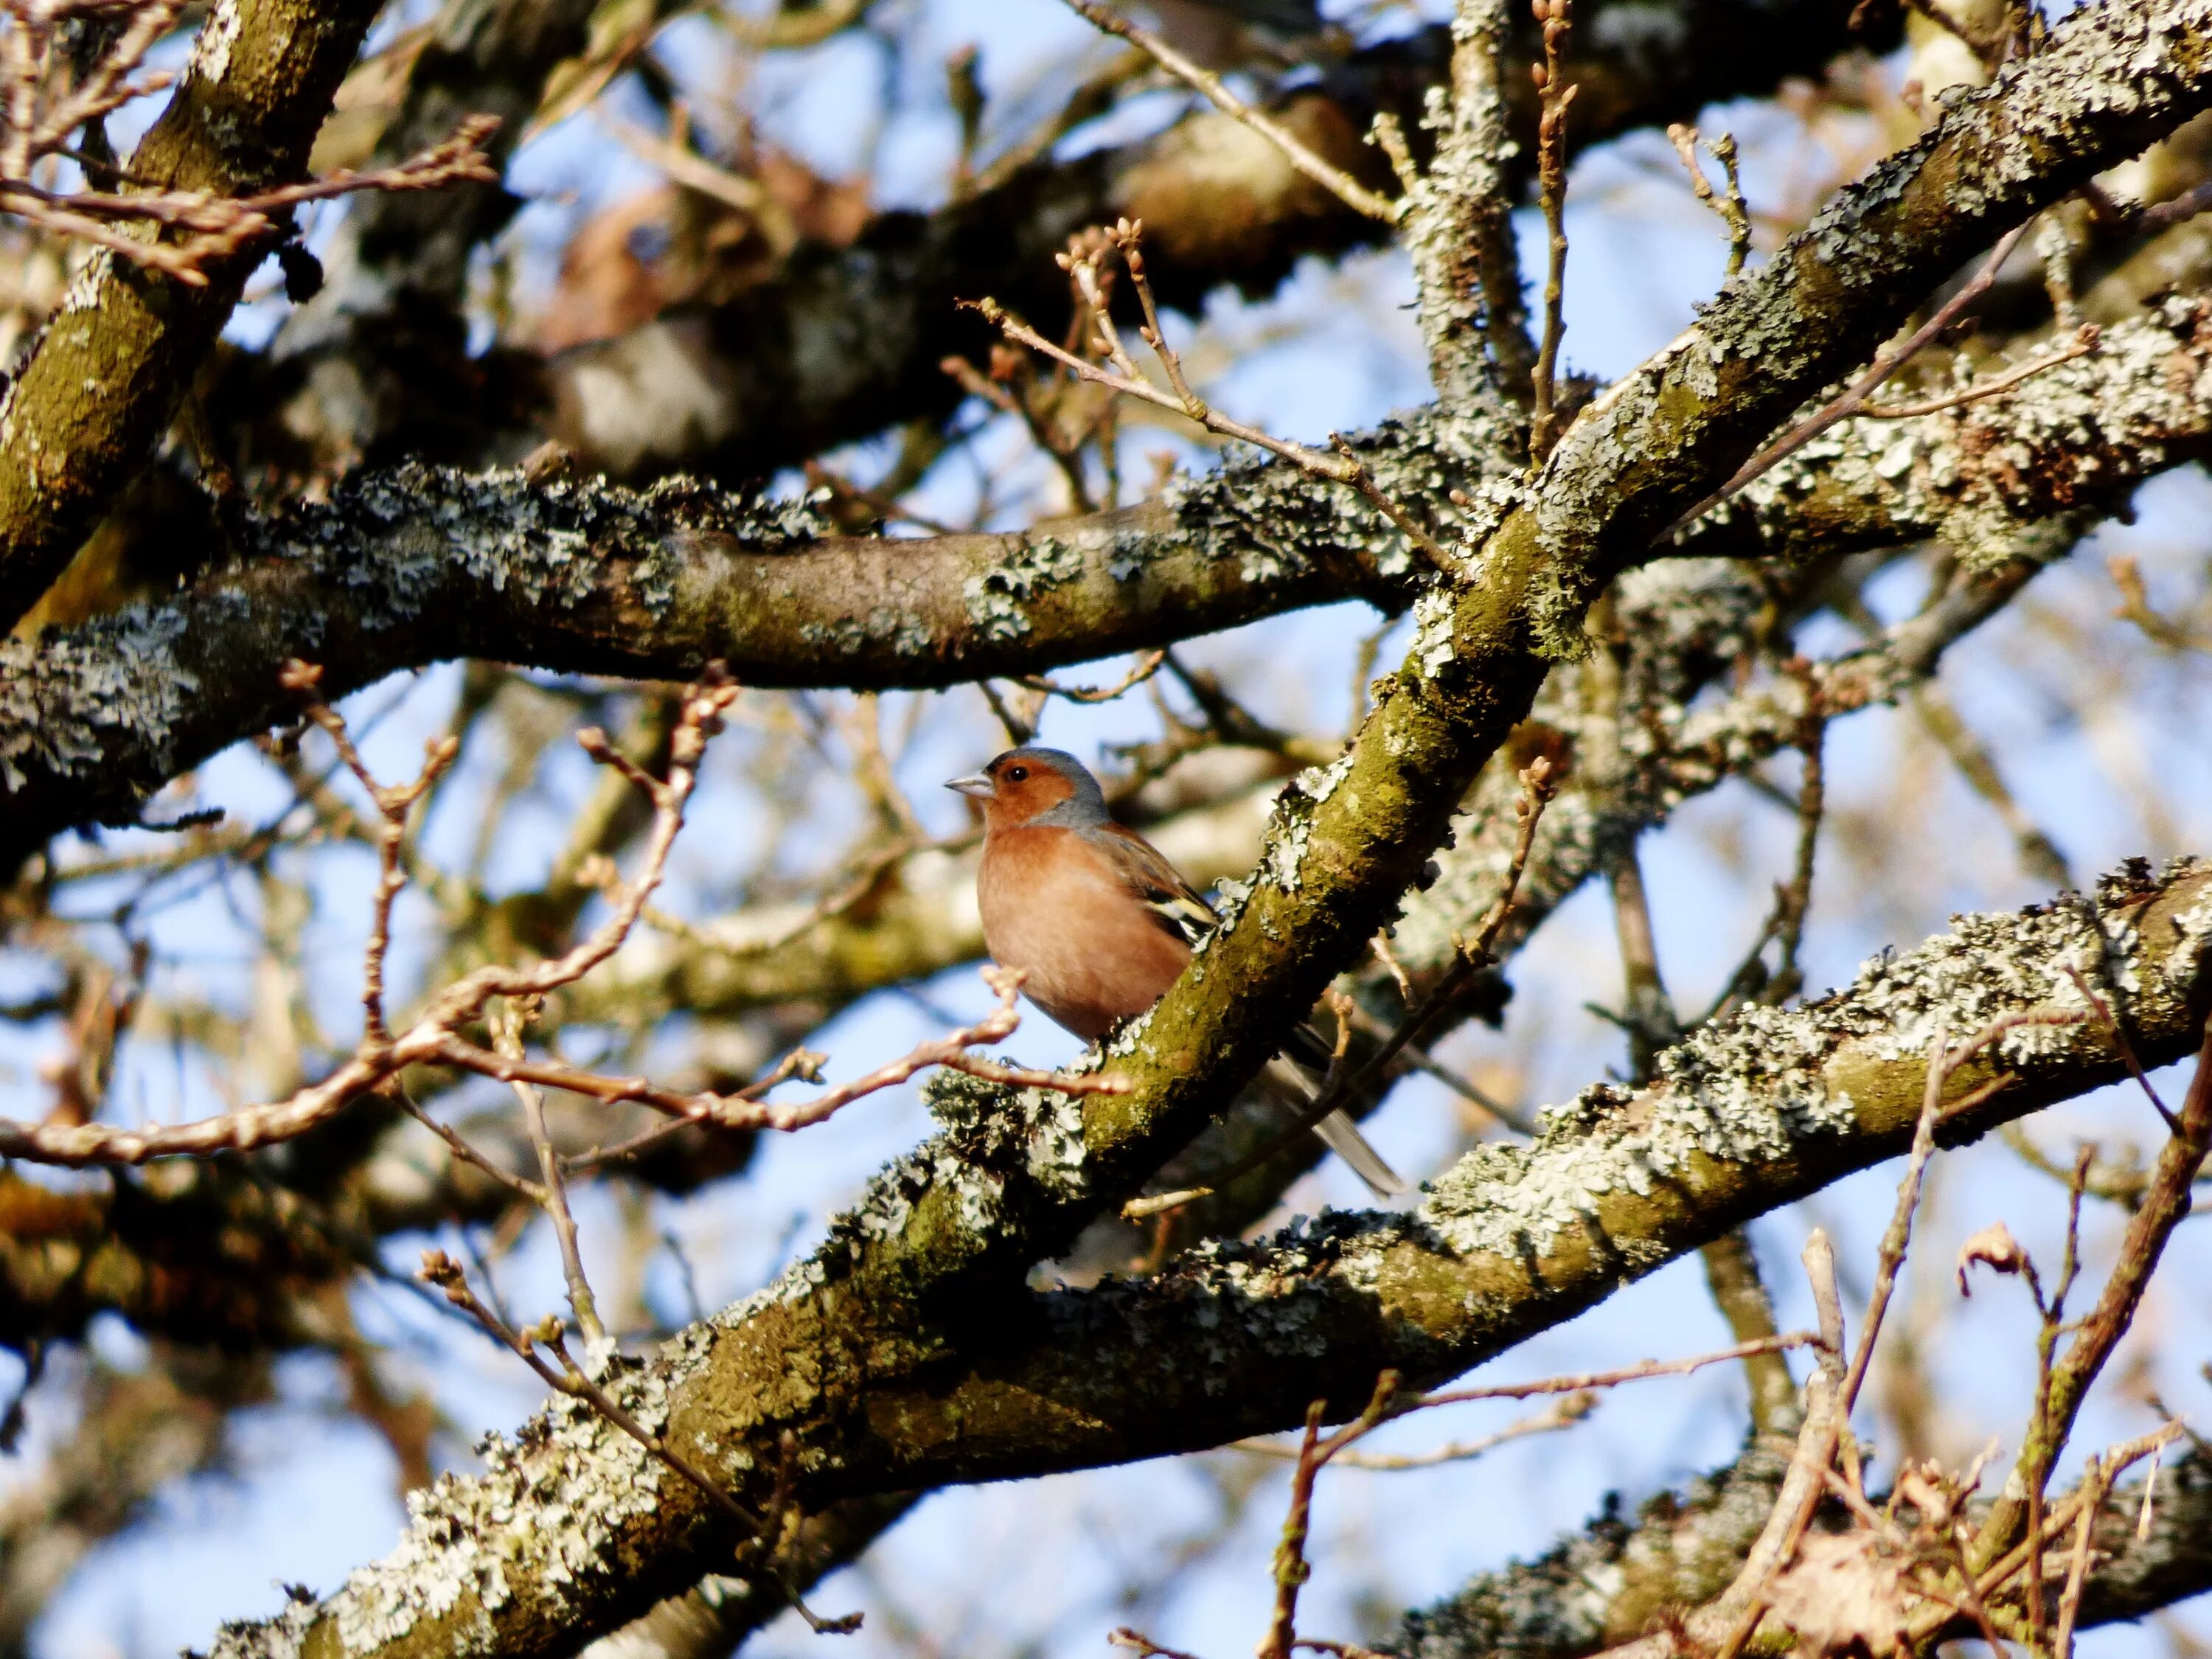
(1741, 1119)
(100, 384)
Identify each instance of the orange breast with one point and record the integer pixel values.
(1092, 949)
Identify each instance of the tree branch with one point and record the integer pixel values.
(413, 565)
(93, 721)
(1604, 1586)
(1743, 1118)
(100, 384)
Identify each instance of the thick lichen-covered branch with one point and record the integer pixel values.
(412, 566)
(786, 609)
(77, 421)
(2116, 78)
(1237, 1339)
(2078, 435)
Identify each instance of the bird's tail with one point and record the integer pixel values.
(1337, 1131)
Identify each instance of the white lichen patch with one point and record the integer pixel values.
(1436, 641)
(1319, 782)
(997, 598)
(211, 58)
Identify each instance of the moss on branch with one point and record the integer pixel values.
(107, 369)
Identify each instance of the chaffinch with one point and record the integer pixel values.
(1097, 919)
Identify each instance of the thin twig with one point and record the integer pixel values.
(1332, 178)
(1555, 16)
(1580, 1382)
(1147, 664)
(1850, 401)
(2085, 341)
(2166, 1202)
(1291, 1568)
(1564, 1414)
(2134, 607)
(1731, 206)
(1082, 262)
(553, 1191)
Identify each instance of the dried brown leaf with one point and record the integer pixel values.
(1842, 1595)
(1994, 1247)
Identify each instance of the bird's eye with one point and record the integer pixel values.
(1016, 774)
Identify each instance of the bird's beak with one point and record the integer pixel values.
(974, 784)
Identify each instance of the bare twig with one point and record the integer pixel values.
(1082, 262)
(1147, 664)
(1555, 16)
(1564, 1414)
(43, 114)
(2085, 341)
(1291, 1568)
(435, 1036)
(553, 1189)
(2134, 607)
(2166, 1202)
(1581, 1382)
(1731, 206)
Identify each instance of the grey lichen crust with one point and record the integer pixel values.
(1274, 515)
(411, 531)
(1771, 1082)
(544, 1517)
(2078, 432)
(410, 563)
(62, 703)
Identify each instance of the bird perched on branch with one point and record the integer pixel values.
(1100, 922)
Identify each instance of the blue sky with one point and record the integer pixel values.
(1043, 1567)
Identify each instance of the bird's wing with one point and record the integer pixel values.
(1173, 902)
